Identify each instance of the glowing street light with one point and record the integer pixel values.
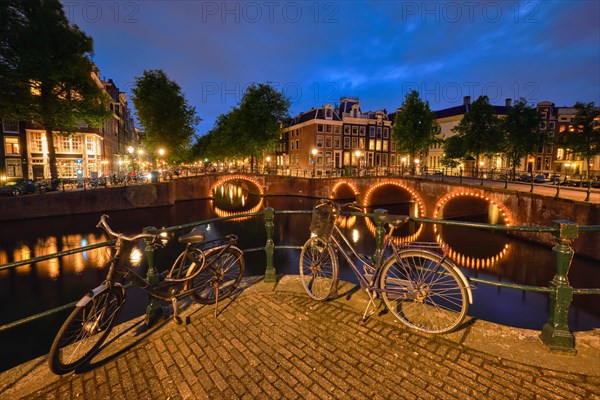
(314, 160)
(357, 153)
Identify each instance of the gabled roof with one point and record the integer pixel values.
(315, 113)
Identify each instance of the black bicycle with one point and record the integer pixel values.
(206, 271)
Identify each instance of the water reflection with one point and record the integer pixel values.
(469, 247)
(236, 197)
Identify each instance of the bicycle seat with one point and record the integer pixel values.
(396, 220)
(195, 236)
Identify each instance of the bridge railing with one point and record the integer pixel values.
(555, 332)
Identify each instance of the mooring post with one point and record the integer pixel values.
(270, 246)
(154, 310)
(380, 215)
(555, 332)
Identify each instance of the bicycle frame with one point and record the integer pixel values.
(165, 290)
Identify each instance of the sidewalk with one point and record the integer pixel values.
(273, 341)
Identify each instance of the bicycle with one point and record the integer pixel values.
(423, 288)
(206, 271)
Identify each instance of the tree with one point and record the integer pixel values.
(163, 112)
(480, 130)
(521, 133)
(258, 119)
(415, 128)
(455, 150)
(46, 73)
(584, 138)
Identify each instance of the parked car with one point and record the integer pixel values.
(539, 178)
(554, 179)
(21, 186)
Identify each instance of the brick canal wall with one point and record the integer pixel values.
(524, 208)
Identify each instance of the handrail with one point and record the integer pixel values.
(559, 291)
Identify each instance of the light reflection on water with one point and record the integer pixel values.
(47, 284)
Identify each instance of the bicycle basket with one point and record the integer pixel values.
(322, 221)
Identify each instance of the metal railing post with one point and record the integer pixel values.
(154, 310)
(557, 188)
(380, 215)
(555, 332)
(270, 246)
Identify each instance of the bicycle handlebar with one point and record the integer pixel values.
(104, 225)
(395, 220)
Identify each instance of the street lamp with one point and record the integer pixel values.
(357, 153)
(161, 153)
(268, 160)
(314, 160)
(417, 161)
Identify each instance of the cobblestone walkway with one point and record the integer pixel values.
(279, 344)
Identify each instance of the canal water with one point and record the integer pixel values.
(35, 288)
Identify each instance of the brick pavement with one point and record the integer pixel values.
(277, 343)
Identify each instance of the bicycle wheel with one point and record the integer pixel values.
(220, 276)
(84, 331)
(422, 292)
(318, 268)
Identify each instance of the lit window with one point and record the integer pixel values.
(11, 145)
(319, 141)
(13, 168)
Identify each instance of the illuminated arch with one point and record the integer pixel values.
(229, 178)
(464, 260)
(340, 183)
(223, 213)
(415, 196)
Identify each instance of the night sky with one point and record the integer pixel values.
(317, 52)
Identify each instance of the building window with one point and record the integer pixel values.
(355, 131)
(328, 142)
(543, 125)
(385, 145)
(328, 158)
(11, 145)
(10, 126)
(297, 144)
(361, 143)
(328, 113)
(336, 142)
(336, 129)
(36, 142)
(355, 143)
(320, 141)
(328, 128)
(371, 144)
(560, 154)
(393, 160)
(372, 131)
(384, 160)
(346, 143)
(13, 169)
(378, 159)
(363, 130)
(551, 125)
(347, 129)
(547, 163)
(386, 133)
(393, 146)
(320, 158)
(319, 127)
(378, 132)
(378, 145)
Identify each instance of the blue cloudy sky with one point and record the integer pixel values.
(318, 51)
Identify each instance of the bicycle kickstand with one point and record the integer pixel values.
(371, 303)
(176, 316)
(216, 285)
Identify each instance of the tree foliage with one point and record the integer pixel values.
(521, 133)
(415, 128)
(248, 130)
(584, 139)
(164, 114)
(46, 72)
(479, 129)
